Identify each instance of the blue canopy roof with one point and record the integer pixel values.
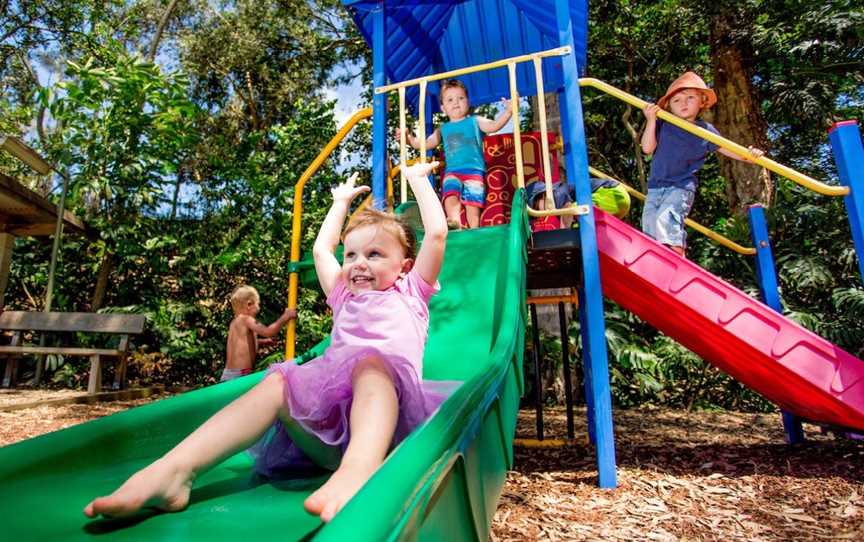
(432, 36)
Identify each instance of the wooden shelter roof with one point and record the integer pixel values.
(24, 212)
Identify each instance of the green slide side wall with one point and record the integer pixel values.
(441, 483)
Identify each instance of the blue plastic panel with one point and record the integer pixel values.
(426, 37)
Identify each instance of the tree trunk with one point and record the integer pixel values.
(177, 184)
(166, 16)
(101, 288)
(738, 115)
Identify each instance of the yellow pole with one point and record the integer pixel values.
(711, 234)
(767, 163)
(552, 299)
(544, 139)
(517, 135)
(421, 112)
(296, 221)
(403, 189)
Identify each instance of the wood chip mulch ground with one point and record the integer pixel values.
(681, 476)
(685, 476)
(18, 425)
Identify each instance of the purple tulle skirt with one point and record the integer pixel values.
(318, 397)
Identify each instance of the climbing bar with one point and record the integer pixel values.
(544, 139)
(559, 51)
(296, 222)
(709, 233)
(767, 163)
(422, 114)
(403, 155)
(517, 132)
(554, 299)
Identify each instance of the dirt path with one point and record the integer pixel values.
(682, 476)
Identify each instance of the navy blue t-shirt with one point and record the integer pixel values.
(679, 156)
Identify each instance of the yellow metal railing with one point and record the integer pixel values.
(510, 64)
(794, 176)
(707, 232)
(293, 276)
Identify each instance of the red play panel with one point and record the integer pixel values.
(791, 366)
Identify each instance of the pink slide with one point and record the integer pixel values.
(791, 366)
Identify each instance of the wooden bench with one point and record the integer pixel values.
(123, 325)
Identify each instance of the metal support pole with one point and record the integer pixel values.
(766, 276)
(845, 138)
(594, 339)
(403, 154)
(428, 121)
(7, 243)
(379, 110)
(586, 369)
(55, 248)
(565, 361)
(538, 380)
(52, 268)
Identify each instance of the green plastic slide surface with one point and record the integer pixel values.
(441, 483)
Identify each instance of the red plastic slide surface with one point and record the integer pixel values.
(793, 367)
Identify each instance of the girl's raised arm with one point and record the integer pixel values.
(324, 250)
(431, 253)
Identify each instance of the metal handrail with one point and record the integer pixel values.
(794, 176)
(709, 233)
(510, 64)
(293, 276)
(559, 51)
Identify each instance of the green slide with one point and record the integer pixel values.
(441, 483)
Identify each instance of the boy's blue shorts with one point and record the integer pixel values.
(664, 213)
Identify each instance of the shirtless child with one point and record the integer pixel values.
(244, 331)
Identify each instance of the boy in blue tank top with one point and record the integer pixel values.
(463, 178)
(678, 156)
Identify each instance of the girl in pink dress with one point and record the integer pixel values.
(347, 408)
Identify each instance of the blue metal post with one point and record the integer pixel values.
(379, 110)
(586, 367)
(766, 276)
(845, 140)
(597, 365)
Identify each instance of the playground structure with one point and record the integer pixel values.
(443, 481)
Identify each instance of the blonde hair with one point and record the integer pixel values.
(241, 297)
(452, 83)
(390, 223)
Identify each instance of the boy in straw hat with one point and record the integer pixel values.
(678, 156)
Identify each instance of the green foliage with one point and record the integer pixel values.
(189, 195)
(186, 166)
(646, 367)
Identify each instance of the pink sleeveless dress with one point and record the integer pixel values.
(390, 324)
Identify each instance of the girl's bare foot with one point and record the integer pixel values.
(159, 485)
(333, 495)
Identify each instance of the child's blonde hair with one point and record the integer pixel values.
(452, 83)
(241, 297)
(390, 223)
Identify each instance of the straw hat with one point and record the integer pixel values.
(689, 81)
